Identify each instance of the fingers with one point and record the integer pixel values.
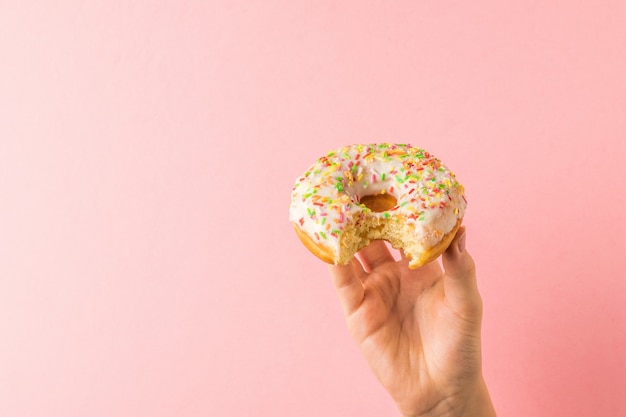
(375, 254)
(348, 281)
(459, 281)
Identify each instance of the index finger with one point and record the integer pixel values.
(348, 281)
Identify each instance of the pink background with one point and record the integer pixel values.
(147, 154)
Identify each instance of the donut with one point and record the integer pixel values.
(360, 193)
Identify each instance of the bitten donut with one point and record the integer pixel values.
(359, 193)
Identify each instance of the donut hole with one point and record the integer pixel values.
(379, 202)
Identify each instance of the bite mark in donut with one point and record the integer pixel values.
(360, 193)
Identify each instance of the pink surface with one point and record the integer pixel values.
(147, 153)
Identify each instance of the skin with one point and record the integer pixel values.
(419, 330)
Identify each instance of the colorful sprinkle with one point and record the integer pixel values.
(326, 199)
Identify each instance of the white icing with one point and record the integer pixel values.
(325, 199)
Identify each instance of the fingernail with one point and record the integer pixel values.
(460, 243)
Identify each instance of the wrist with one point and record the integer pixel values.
(479, 403)
(475, 402)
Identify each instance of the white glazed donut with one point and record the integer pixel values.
(360, 193)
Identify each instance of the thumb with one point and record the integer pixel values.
(459, 282)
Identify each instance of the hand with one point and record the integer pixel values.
(419, 329)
